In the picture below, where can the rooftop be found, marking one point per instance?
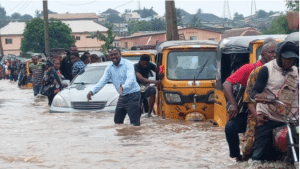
(77, 26)
(73, 16)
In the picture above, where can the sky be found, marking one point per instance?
(207, 6)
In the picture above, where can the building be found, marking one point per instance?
(152, 38)
(74, 16)
(131, 16)
(248, 31)
(13, 33)
(11, 36)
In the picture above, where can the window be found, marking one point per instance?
(77, 37)
(126, 44)
(211, 39)
(193, 37)
(8, 41)
(191, 65)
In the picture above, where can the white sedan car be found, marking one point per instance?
(73, 98)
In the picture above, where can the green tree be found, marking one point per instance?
(146, 12)
(158, 24)
(262, 14)
(15, 16)
(136, 26)
(195, 22)
(3, 17)
(34, 41)
(114, 18)
(26, 17)
(271, 13)
(292, 5)
(199, 11)
(179, 17)
(39, 14)
(109, 39)
(278, 26)
(238, 17)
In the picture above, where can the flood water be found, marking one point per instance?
(31, 137)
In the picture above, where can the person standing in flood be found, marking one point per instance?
(66, 64)
(78, 65)
(37, 70)
(121, 73)
(238, 121)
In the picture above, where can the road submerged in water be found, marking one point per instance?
(31, 137)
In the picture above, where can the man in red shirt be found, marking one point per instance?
(237, 122)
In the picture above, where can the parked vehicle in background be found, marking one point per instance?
(135, 55)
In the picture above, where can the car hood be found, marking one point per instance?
(78, 92)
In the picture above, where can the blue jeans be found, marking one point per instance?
(37, 89)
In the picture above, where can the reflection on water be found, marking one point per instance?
(31, 137)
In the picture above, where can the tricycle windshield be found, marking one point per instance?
(191, 65)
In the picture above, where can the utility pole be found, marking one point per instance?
(45, 8)
(172, 31)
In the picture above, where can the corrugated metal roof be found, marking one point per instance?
(73, 16)
(13, 28)
(17, 28)
(85, 26)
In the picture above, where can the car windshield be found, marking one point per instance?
(132, 57)
(91, 75)
(190, 65)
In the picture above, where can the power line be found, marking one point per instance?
(12, 9)
(76, 4)
(25, 6)
(123, 4)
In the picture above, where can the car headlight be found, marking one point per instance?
(58, 101)
(211, 97)
(114, 102)
(172, 98)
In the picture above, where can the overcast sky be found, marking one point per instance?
(208, 6)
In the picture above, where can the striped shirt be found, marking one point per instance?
(37, 73)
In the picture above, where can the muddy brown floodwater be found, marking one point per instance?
(31, 137)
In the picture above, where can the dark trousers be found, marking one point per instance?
(50, 99)
(232, 129)
(128, 104)
(263, 141)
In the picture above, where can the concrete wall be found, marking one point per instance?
(13, 48)
(200, 34)
(188, 33)
(87, 43)
(83, 44)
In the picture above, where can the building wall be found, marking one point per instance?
(14, 47)
(200, 34)
(83, 44)
(142, 40)
(188, 33)
(87, 43)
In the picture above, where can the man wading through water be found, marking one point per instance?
(238, 121)
(121, 73)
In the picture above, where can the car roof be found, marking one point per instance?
(185, 43)
(140, 52)
(104, 64)
(242, 43)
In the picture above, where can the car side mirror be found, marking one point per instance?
(159, 76)
(66, 82)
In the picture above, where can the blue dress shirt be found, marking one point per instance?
(122, 74)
